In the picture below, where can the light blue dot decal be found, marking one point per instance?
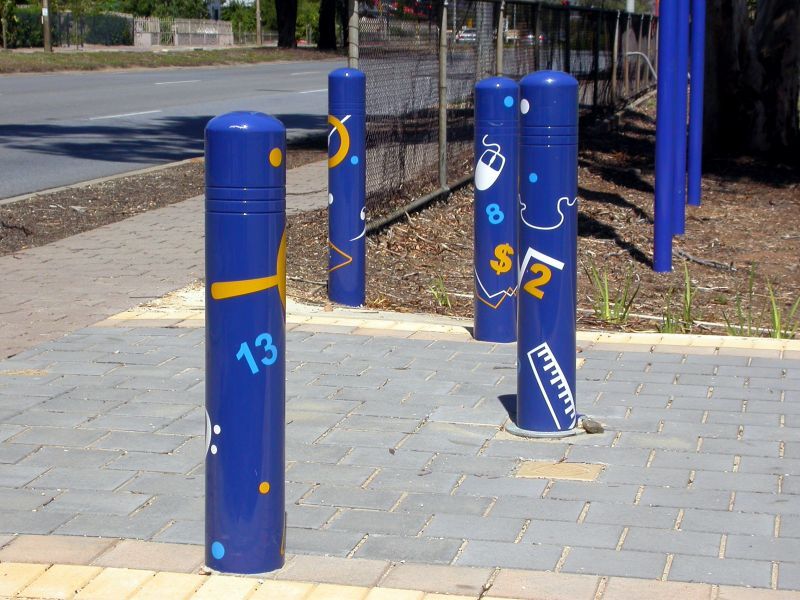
(508, 101)
(533, 178)
(217, 550)
(354, 160)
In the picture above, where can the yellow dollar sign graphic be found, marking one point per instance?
(503, 263)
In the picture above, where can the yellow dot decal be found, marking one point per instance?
(275, 157)
(264, 487)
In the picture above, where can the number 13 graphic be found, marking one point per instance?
(270, 352)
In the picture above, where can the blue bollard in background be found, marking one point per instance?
(347, 187)
(245, 342)
(547, 255)
(682, 60)
(698, 42)
(665, 137)
(495, 232)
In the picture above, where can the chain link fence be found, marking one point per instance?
(610, 53)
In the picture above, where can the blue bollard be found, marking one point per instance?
(245, 342)
(547, 255)
(347, 187)
(665, 148)
(682, 60)
(495, 232)
(696, 100)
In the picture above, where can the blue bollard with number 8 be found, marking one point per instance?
(245, 342)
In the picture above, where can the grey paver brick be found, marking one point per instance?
(523, 449)
(352, 497)
(138, 441)
(537, 508)
(646, 440)
(108, 422)
(740, 447)
(589, 535)
(474, 465)
(693, 460)
(47, 418)
(151, 409)
(747, 482)
(424, 550)
(633, 457)
(763, 548)
(490, 415)
(166, 483)
(97, 502)
(322, 453)
(722, 521)
(364, 439)
(481, 553)
(627, 515)
(65, 478)
(721, 571)
(407, 480)
(48, 456)
(501, 529)
(11, 453)
(594, 561)
(30, 522)
(790, 527)
(371, 521)
(13, 476)
(593, 491)
(140, 526)
(183, 532)
(773, 466)
(489, 487)
(376, 423)
(313, 517)
(450, 438)
(22, 499)
(400, 458)
(56, 436)
(766, 502)
(345, 475)
(710, 499)
(156, 462)
(180, 508)
(676, 542)
(789, 576)
(646, 476)
(316, 541)
(444, 504)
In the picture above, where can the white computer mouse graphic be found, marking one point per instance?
(489, 165)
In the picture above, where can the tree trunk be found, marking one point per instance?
(752, 70)
(342, 7)
(327, 25)
(286, 15)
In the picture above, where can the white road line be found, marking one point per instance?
(314, 91)
(133, 114)
(174, 82)
(304, 73)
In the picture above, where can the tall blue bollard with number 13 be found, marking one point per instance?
(245, 342)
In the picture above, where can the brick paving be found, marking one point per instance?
(398, 463)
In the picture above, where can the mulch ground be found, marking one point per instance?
(748, 223)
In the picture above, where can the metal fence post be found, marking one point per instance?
(500, 35)
(567, 42)
(245, 519)
(614, 62)
(352, 36)
(537, 50)
(596, 61)
(443, 98)
(696, 101)
(638, 58)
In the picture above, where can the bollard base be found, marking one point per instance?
(513, 429)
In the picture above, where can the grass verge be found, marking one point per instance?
(39, 62)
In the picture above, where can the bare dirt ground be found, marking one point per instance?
(748, 220)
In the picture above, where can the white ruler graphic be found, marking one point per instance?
(552, 380)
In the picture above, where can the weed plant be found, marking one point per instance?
(439, 292)
(607, 307)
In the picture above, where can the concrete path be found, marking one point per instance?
(54, 289)
(400, 474)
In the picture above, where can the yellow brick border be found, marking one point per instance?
(184, 308)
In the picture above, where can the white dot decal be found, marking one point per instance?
(213, 449)
(217, 429)
(524, 106)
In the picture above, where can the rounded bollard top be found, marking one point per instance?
(347, 91)
(497, 100)
(549, 99)
(245, 150)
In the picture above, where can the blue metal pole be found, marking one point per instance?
(347, 225)
(245, 342)
(495, 231)
(679, 207)
(665, 149)
(547, 255)
(696, 100)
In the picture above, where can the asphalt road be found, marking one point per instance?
(58, 129)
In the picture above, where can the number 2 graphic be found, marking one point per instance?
(544, 274)
(270, 352)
